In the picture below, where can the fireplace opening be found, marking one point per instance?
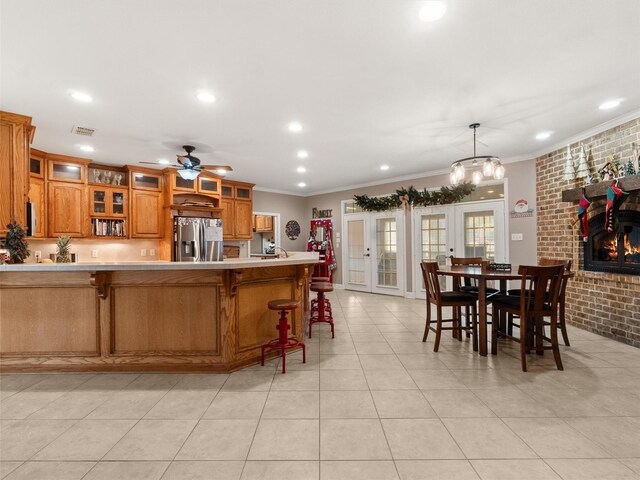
(617, 252)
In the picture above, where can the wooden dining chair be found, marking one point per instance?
(440, 299)
(561, 301)
(538, 299)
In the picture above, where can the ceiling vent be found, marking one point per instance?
(86, 132)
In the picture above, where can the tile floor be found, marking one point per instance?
(375, 403)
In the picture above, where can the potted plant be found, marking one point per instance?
(16, 244)
(63, 244)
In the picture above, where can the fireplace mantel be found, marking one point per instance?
(628, 184)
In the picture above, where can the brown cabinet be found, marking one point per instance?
(38, 199)
(67, 211)
(146, 214)
(208, 185)
(237, 210)
(263, 223)
(66, 169)
(15, 137)
(107, 201)
(145, 180)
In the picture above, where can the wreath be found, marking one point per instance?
(416, 198)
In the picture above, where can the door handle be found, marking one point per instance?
(366, 255)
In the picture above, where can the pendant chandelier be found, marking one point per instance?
(491, 166)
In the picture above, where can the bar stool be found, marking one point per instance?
(284, 342)
(320, 306)
(314, 301)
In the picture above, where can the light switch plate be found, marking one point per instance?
(516, 237)
(152, 252)
(143, 252)
(94, 253)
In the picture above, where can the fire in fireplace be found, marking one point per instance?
(617, 252)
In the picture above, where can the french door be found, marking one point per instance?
(374, 255)
(465, 230)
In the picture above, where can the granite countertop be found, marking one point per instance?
(295, 258)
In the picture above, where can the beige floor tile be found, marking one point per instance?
(182, 405)
(421, 361)
(152, 440)
(363, 327)
(589, 469)
(281, 470)
(512, 402)
(390, 380)
(436, 469)
(86, 440)
(75, 404)
(292, 404)
(402, 404)
(219, 440)
(61, 382)
(487, 438)
(358, 470)
(24, 403)
(505, 470)
(203, 470)
(436, 379)
(205, 381)
(343, 380)
(127, 404)
(7, 467)
(51, 471)
(16, 382)
(339, 362)
(285, 440)
(405, 337)
(296, 380)
(632, 463)
(620, 436)
(154, 381)
(420, 439)
(107, 382)
(22, 439)
(351, 439)
(554, 438)
(373, 348)
(337, 348)
(249, 381)
(347, 404)
(618, 401)
(380, 362)
(567, 402)
(457, 403)
(407, 348)
(392, 328)
(127, 470)
(236, 405)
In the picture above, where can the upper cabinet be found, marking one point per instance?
(38, 192)
(66, 195)
(61, 168)
(237, 214)
(146, 205)
(16, 134)
(145, 179)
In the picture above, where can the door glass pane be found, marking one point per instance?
(118, 203)
(387, 252)
(434, 236)
(355, 252)
(479, 235)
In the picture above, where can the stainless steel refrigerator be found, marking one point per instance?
(197, 239)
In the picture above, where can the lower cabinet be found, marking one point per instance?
(146, 214)
(67, 209)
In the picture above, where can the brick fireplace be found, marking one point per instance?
(602, 302)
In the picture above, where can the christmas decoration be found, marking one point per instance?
(583, 167)
(635, 157)
(415, 198)
(569, 169)
(64, 243)
(583, 205)
(16, 244)
(630, 170)
(610, 170)
(615, 197)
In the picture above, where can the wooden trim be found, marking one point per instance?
(628, 184)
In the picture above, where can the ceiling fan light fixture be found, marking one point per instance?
(188, 174)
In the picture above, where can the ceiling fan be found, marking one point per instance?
(189, 167)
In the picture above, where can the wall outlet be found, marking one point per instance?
(143, 252)
(516, 237)
(94, 253)
(152, 252)
(38, 255)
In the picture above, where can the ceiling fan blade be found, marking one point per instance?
(151, 163)
(217, 167)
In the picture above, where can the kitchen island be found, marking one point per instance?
(146, 316)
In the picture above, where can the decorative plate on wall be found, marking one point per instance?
(292, 229)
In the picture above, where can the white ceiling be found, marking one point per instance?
(369, 81)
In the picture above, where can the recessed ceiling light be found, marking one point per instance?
(609, 104)
(303, 154)
(206, 97)
(87, 148)
(164, 161)
(222, 171)
(302, 184)
(543, 135)
(301, 169)
(295, 127)
(82, 97)
(384, 167)
(433, 10)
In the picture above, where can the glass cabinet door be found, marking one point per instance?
(227, 191)
(98, 202)
(208, 185)
(118, 203)
(67, 172)
(180, 183)
(146, 181)
(243, 192)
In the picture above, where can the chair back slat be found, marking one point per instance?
(540, 288)
(567, 268)
(469, 262)
(431, 283)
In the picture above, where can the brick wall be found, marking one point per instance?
(604, 303)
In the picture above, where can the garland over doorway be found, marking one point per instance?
(415, 198)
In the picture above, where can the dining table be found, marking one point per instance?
(483, 275)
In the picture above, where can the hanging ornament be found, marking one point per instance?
(569, 169)
(615, 197)
(583, 167)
